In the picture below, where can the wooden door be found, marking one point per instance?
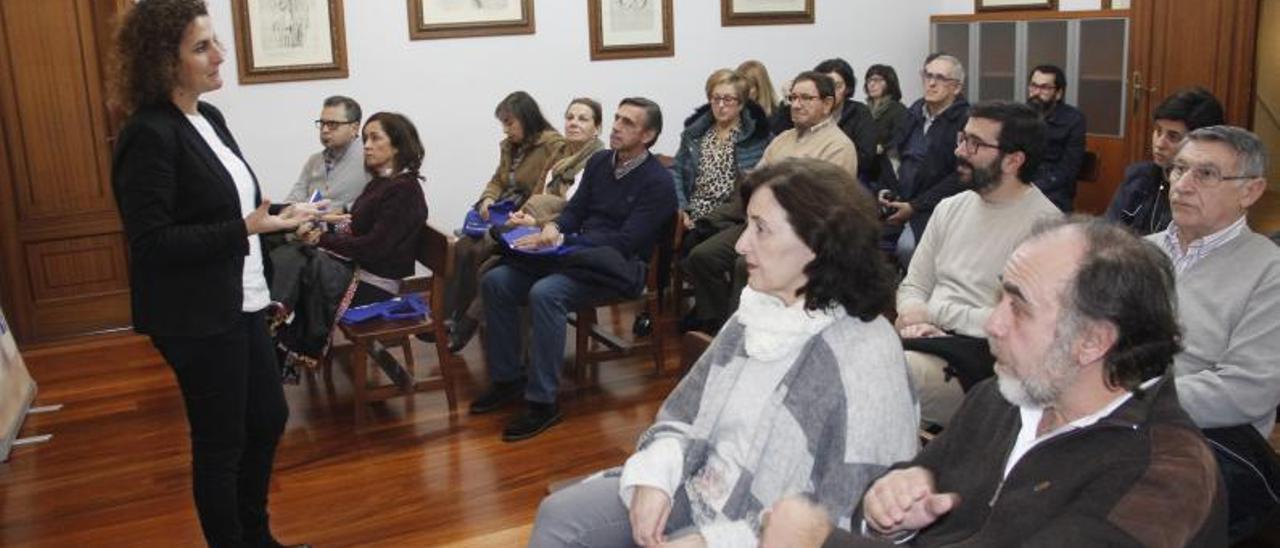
(1182, 43)
(64, 270)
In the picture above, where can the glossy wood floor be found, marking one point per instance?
(116, 472)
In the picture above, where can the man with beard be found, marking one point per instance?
(946, 295)
(1065, 128)
(337, 172)
(1080, 442)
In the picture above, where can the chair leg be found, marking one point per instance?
(359, 379)
(446, 360)
(581, 359)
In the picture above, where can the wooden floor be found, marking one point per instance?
(116, 472)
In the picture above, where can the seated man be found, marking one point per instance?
(1142, 200)
(1228, 280)
(337, 172)
(1064, 137)
(624, 200)
(711, 264)
(927, 172)
(946, 295)
(850, 115)
(1080, 442)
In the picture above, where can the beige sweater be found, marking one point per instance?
(955, 270)
(824, 141)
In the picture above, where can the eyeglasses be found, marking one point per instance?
(798, 98)
(1042, 87)
(972, 143)
(931, 78)
(333, 124)
(725, 100)
(1204, 176)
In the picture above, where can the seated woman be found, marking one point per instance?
(721, 140)
(884, 97)
(760, 89)
(804, 390)
(525, 152)
(581, 139)
(377, 240)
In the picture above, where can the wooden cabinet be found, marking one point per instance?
(64, 268)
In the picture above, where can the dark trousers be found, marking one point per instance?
(717, 277)
(460, 289)
(236, 411)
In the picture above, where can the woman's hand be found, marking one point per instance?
(521, 218)
(650, 508)
(686, 220)
(336, 218)
(483, 208)
(309, 237)
(694, 540)
(260, 221)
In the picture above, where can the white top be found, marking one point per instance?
(256, 294)
(1027, 438)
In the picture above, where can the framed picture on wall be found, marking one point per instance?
(430, 19)
(999, 5)
(765, 12)
(626, 29)
(283, 40)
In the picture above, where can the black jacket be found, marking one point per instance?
(1063, 155)
(936, 178)
(181, 212)
(1141, 476)
(1142, 201)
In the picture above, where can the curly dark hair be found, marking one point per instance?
(837, 219)
(146, 57)
(403, 136)
(1129, 283)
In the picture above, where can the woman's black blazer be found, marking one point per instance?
(181, 212)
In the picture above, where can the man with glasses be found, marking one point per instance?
(1142, 200)
(1065, 126)
(946, 295)
(927, 172)
(852, 117)
(337, 172)
(1228, 280)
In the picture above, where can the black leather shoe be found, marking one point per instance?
(498, 395)
(538, 417)
(463, 330)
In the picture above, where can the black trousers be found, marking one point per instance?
(236, 411)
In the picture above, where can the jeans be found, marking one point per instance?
(550, 299)
(236, 411)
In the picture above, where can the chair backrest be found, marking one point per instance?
(433, 250)
(663, 251)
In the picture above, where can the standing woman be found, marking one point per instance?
(884, 97)
(192, 213)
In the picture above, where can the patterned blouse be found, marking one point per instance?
(716, 174)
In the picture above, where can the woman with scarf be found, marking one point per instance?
(804, 390)
(564, 170)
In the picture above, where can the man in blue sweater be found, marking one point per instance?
(625, 200)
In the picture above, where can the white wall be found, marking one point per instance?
(450, 87)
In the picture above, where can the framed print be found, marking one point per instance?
(429, 19)
(626, 29)
(281, 40)
(998, 5)
(765, 12)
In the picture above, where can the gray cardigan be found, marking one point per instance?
(341, 186)
(1229, 308)
(841, 415)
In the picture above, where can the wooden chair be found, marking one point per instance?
(1089, 167)
(433, 252)
(587, 359)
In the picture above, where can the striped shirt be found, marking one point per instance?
(1198, 249)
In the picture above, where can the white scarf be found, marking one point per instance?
(773, 330)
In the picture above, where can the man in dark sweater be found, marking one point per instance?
(1064, 138)
(625, 200)
(1080, 441)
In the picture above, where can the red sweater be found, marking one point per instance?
(385, 221)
